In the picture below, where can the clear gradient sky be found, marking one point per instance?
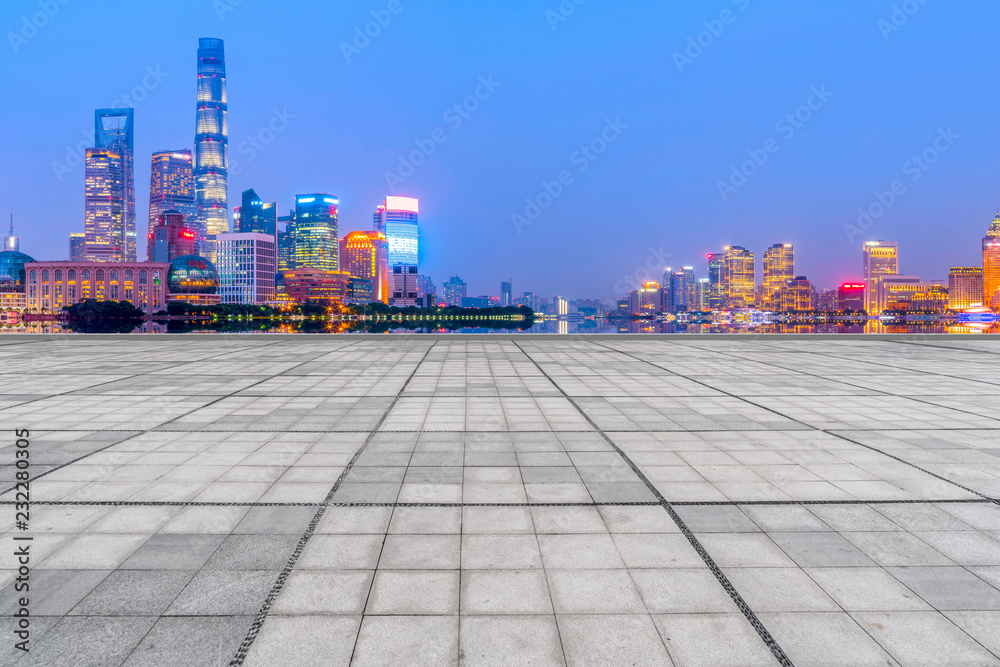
(654, 187)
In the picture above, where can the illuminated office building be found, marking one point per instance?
(991, 265)
(254, 216)
(13, 279)
(405, 285)
(455, 290)
(426, 291)
(796, 295)
(881, 259)
(965, 287)
(316, 239)
(646, 300)
(560, 306)
(103, 206)
(247, 263)
(53, 285)
(77, 247)
(506, 293)
(397, 219)
(716, 269)
(897, 293)
(286, 242)
(171, 238)
(113, 131)
(211, 145)
(851, 296)
(365, 255)
(171, 188)
(704, 290)
(779, 268)
(739, 277)
(310, 284)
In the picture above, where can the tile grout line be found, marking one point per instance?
(244, 648)
(720, 576)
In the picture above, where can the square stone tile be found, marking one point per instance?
(510, 640)
(414, 592)
(607, 640)
(289, 641)
(411, 640)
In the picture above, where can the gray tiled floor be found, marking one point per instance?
(505, 500)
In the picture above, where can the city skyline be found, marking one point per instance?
(473, 182)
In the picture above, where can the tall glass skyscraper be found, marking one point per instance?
(113, 131)
(316, 239)
(881, 259)
(171, 187)
(779, 268)
(716, 267)
(211, 144)
(991, 265)
(739, 277)
(397, 219)
(103, 206)
(254, 218)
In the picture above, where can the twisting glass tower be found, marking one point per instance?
(211, 144)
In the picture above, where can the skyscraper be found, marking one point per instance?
(397, 219)
(881, 258)
(716, 268)
(171, 187)
(286, 242)
(247, 265)
(211, 144)
(11, 241)
(113, 131)
(103, 206)
(316, 239)
(965, 287)
(171, 238)
(254, 218)
(991, 265)
(506, 293)
(77, 246)
(739, 280)
(455, 290)
(365, 255)
(779, 268)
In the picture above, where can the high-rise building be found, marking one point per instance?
(11, 241)
(171, 238)
(896, 292)
(113, 131)
(247, 265)
(365, 255)
(796, 295)
(704, 290)
(716, 289)
(965, 287)
(286, 242)
(560, 306)
(647, 300)
(316, 239)
(405, 285)
(881, 258)
(779, 268)
(211, 145)
(103, 206)
(506, 293)
(455, 290)
(253, 217)
(426, 291)
(77, 247)
(397, 218)
(851, 296)
(991, 265)
(738, 277)
(171, 187)
(681, 290)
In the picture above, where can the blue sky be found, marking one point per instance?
(889, 91)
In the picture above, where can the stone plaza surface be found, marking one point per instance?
(324, 500)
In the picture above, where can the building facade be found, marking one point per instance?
(254, 216)
(211, 145)
(310, 284)
(171, 238)
(716, 289)
(991, 265)
(880, 259)
(739, 277)
(506, 293)
(171, 187)
(965, 287)
(77, 247)
(455, 290)
(851, 296)
(647, 300)
(53, 285)
(113, 131)
(316, 240)
(247, 263)
(103, 206)
(779, 268)
(366, 255)
(405, 285)
(397, 219)
(795, 296)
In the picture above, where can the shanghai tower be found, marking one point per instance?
(211, 146)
